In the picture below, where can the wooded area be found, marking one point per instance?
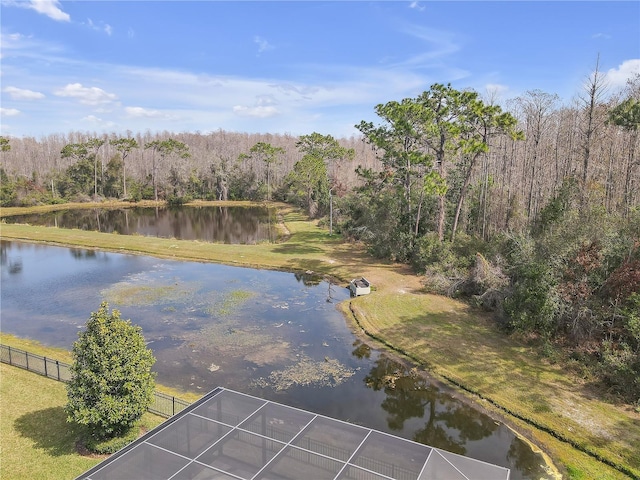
(531, 209)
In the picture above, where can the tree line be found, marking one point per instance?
(530, 209)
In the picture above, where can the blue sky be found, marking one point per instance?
(289, 67)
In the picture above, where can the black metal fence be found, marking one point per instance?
(162, 404)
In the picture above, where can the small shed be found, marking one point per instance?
(359, 286)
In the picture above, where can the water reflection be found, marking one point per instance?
(12, 265)
(232, 225)
(439, 419)
(80, 253)
(449, 423)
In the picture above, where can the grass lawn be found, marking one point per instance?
(453, 342)
(36, 440)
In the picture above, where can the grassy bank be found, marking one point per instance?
(584, 434)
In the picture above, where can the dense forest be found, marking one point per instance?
(531, 210)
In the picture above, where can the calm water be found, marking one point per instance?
(271, 334)
(245, 225)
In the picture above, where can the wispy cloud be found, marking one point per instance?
(13, 37)
(604, 36)
(99, 122)
(259, 111)
(23, 94)
(416, 6)
(263, 44)
(50, 8)
(9, 112)
(100, 27)
(86, 95)
(140, 112)
(438, 45)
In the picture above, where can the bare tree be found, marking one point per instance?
(591, 98)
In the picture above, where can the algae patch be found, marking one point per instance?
(130, 294)
(229, 303)
(328, 373)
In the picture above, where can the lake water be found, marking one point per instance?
(243, 225)
(270, 334)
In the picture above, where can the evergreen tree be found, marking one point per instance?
(112, 384)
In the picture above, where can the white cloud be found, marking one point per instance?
(416, 5)
(50, 8)
(86, 95)
(98, 121)
(9, 112)
(139, 112)
(23, 94)
(259, 111)
(263, 44)
(605, 36)
(617, 77)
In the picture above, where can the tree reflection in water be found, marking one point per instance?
(449, 423)
(231, 225)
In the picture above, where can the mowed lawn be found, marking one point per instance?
(36, 440)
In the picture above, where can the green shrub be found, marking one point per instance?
(111, 445)
(175, 201)
(621, 370)
(112, 384)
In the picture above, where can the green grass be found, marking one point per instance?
(37, 442)
(577, 426)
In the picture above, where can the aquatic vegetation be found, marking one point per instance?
(132, 294)
(229, 303)
(328, 373)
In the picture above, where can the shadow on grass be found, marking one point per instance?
(296, 248)
(49, 430)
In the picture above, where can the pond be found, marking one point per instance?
(270, 334)
(219, 224)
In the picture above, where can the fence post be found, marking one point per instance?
(10, 362)
(46, 373)
(26, 357)
(58, 368)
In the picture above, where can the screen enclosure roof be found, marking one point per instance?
(229, 435)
